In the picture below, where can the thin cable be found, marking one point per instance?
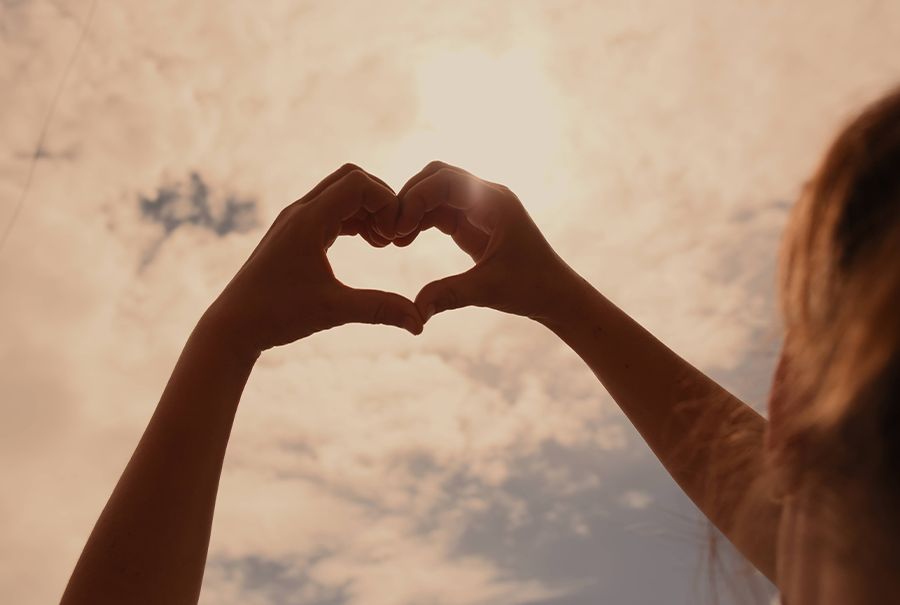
(46, 127)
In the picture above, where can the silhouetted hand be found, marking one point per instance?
(287, 290)
(516, 270)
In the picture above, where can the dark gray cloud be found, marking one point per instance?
(178, 205)
(549, 522)
(590, 540)
(279, 582)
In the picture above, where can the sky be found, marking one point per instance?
(659, 144)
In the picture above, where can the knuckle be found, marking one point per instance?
(506, 193)
(452, 298)
(288, 214)
(356, 178)
(507, 199)
(349, 167)
(435, 165)
(379, 314)
(445, 193)
(283, 215)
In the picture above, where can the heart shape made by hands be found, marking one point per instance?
(515, 269)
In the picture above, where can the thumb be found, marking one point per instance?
(378, 307)
(452, 292)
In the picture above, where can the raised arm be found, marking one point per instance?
(150, 543)
(710, 442)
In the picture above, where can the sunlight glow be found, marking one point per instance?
(497, 116)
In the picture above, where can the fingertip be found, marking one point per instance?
(425, 305)
(375, 236)
(412, 325)
(405, 240)
(384, 222)
(452, 292)
(382, 183)
(404, 229)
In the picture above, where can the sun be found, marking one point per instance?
(497, 116)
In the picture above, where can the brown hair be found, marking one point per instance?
(839, 422)
(835, 405)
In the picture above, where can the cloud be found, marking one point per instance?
(177, 205)
(481, 462)
(636, 499)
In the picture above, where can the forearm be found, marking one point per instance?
(150, 543)
(708, 440)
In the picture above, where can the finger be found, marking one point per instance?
(327, 182)
(356, 191)
(415, 201)
(384, 221)
(402, 242)
(379, 181)
(428, 220)
(430, 169)
(353, 226)
(413, 208)
(452, 222)
(374, 237)
(288, 210)
(452, 292)
(377, 307)
(334, 177)
(367, 226)
(380, 242)
(478, 200)
(386, 218)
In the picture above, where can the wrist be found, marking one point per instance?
(570, 294)
(219, 331)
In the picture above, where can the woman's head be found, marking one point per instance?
(837, 420)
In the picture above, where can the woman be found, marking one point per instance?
(811, 500)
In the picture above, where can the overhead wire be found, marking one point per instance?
(45, 127)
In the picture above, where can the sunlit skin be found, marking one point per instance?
(517, 271)
(151, 540)
(680, 412)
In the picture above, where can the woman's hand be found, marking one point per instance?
(287, 290)
(516, 270)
